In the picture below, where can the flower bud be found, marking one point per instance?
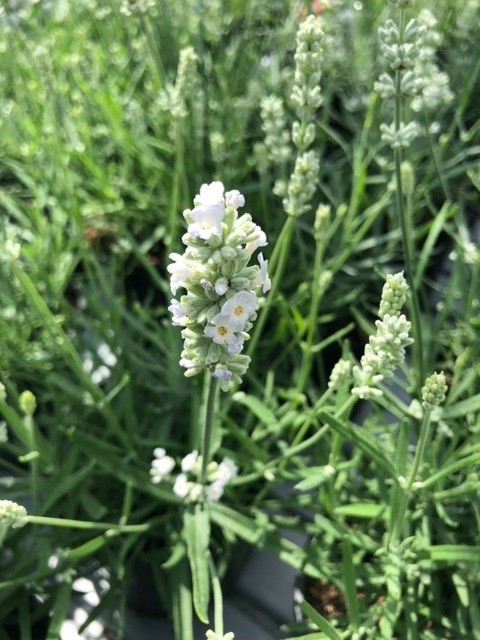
(434, 391)
(12, 514)
(27, 403)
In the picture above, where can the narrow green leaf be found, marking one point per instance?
(196, 532)
(257, 407)
(361, 440)
(349, 582)
(59, 611)
(452, 553)
(470, 405)
(315, 480)
(322, 623)
(246, 442)
(366, 510)
(176, 556)
(447, 211)
(87, 548)
(461, 587)
(182, 602)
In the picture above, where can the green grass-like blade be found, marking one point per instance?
(196, 532)
(322, 623)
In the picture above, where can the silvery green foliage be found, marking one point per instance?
(386, 349)
(433, 85)
(394, 294)
(220, 305)
(305, 94)
(434, 391)
(12, 514)
(274, 126)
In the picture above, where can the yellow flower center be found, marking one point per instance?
(222, 331)
(238, 311)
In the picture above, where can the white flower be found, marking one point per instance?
(106, 355)
(189, 461)
(161, 465)
(179, 270)
(186, 363)
(261, 241)
(222, 331)
(236, 346)
(227, 470)
(195, 493)
(239, 308)
(210, 194)
(100, 374)
(221, 374)
(179, 313)
(263, 279)
(234, 199)
(215, 491)
(207, 221)
(221, 286)
(211, 635)
(181, 488)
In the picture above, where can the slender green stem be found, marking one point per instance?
(84, 524)
(30, 426)
(419, 455)
(282, 261)
(317, 294)
(404, 227)
(207, 426)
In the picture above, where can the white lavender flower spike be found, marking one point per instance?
(222, 289)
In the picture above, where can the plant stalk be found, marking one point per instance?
(207, 427)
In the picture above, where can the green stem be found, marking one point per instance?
(404, 227)
(282, 261)
(207, 426)
(84, 524)
(317, 294)
(419, 455)
(30, 426)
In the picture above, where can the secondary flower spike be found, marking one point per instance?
(222, 288)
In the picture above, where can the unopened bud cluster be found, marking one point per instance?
(340, 374)
(400, 47)
(175, 96)
(220, 305)
(308, 60)
(187, 484)
(274, 126)
(432, 84)
(302, 184)
(434, 391)
(12, 514)
(394, 294)
(386, 349)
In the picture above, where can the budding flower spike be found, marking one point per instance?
(12, 514)
(222, 289)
